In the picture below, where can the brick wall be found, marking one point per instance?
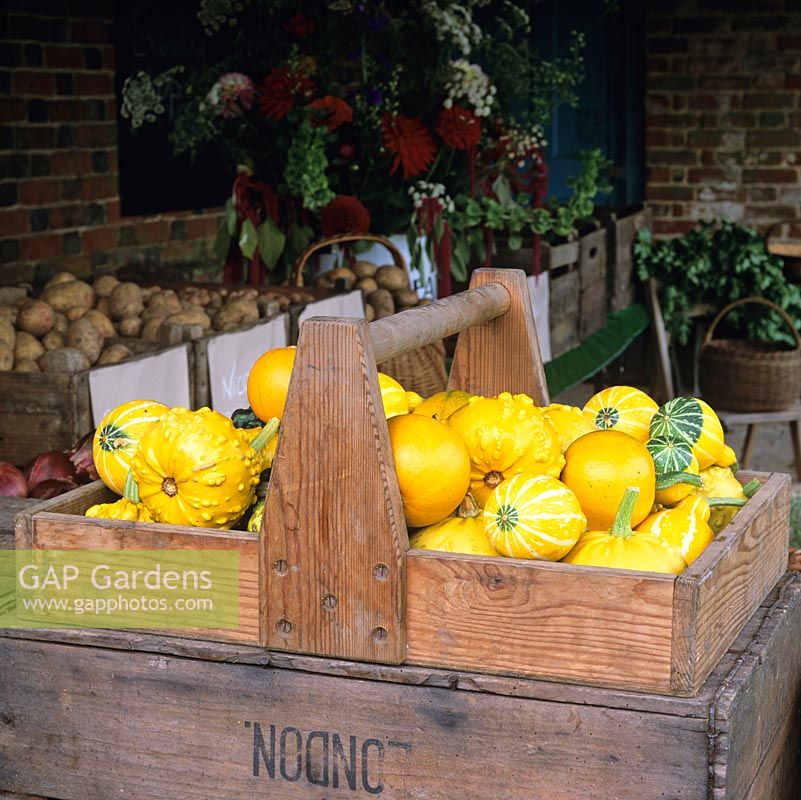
(59, 196)
(723, 111)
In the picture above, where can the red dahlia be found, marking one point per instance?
(409, 142)
(279, 91)
(333, 111)
(344, 214)
(459, 128)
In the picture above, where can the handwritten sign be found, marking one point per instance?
(539, 291)
(231, 356)
(163, 376)
(340, 305)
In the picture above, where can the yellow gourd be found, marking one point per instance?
(672, 488)
(685, 527)
(122, 509)
(394, 397)
(256, 517)
(196, 468)
(693, 421)
(533, 516)
(462, 533)
(505, 435)
(725, 494)
(621, 408)
(569, 422)
(414, 400)
(622, 548)
(442, 404)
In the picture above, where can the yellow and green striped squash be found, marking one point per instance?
(693, 421)
(621, 408)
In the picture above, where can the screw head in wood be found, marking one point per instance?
(280, 567)
(284, 627)
(381, 572)
(329, 602)
(380, 635)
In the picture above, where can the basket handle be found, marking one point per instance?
(780, 311)
(296, 278)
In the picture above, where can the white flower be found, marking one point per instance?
(468, 82)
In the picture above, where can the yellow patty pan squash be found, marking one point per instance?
(505, 435)
(725, 495)
(196, 468)
(622, 548)
(569, 422)
(462, 533)
(685, 527)
(122, 509)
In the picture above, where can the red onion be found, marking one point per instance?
(12, 481)
(52, 464)
(52, 488)
(80, 454)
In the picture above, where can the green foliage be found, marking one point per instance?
(717, 264)
(306, 165)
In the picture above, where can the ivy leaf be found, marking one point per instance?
(222, 242)
(271, 243)
(248, 239)
(514, 242)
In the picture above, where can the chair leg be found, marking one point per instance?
(749, 441)
(795, 431)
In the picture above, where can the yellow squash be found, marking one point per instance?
(621, 408)
(724, 493)
(533, 516)
(693, 421)
(685, 527)
(122, 509)
(505, 435)
(394, 397)
(569, 422)
(622, 548)
(442, 404)
(196, 468)
(462, 533)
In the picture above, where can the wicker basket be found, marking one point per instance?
(745, 375)
(421, 370)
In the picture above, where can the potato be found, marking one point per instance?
(11, 295)
(369, 312)
(54, 340)
(323, 281)
(103, 306)
(125, 300)
(405, 297)
(157, 313)
(64, 359)
(102, 323)
(26, 365)
(104, 284)
(195, 316)
(296, 298)
(61, 323)
(83, 336)
(381, 301)
(27, 347)
(249, 292)
(9, 313)
(342, 277)
(392, 278)
(195, 295)
(163, 300)
(7, 333)
(61, 277)
(130, 326)
(63, 296)
(236, 312)
(364, 269)
(278, 297)
(35, 317)
(150, 330)
(148, 292)
(6, 357)
(367, 285)
(114, 354)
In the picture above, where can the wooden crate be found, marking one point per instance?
(388, 604)
(592, 280)
(622, 226)
(562, 263)
(90, 715)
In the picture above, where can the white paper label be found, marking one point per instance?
(539, 291)
(231, 356)
(340, 305)
(163, 376)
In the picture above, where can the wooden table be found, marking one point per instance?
(90, 715)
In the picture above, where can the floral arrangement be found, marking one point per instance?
(427, 116)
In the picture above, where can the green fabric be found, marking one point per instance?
(595, 352)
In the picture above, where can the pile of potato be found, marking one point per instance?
(385, 289)
(75, 325)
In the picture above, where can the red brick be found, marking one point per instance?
(66, 217)
(11, 108)
(706, 175)
(34, 83)
(71, 162)
(738, 119)
(98, 239)
(13, 221)
(770, 176)
(96, 135)
(111, 108)
(202, 226)
(654, 65)
(708, 157)
(793, 81)
(41, 246)
(705, 139)
(672, 227)
(668, 192)
(771, 212)
(97, 187)
(34, 193)
(109, 60)
(762, 194)
(85, 31)
(153, 232)
(784, 138)
(682, 121)
(686, 157)
(94, 84)
(656, 102)
(64, 57)
(659, 174)
(789, 42)
(769, 80)
(113, 210)
(725, 82)
(678, 210)
(778, 100)
(703, 102)
(657, 138)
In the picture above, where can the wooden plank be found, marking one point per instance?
(334, 532)
(9, 508)
(548, 620)
(563, 309)
(757, 719)
(173, 727)
(559, 255)
(502, 355)
(721, 589)
(592, 258)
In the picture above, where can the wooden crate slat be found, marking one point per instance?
(553, 621)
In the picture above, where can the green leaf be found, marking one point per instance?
(271, 243)
(230, 216)
(248, 239)
(514, 242)
(502, 190)
(439, 229)
(222, 242)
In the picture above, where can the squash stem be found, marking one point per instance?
(131, 488)
(621, 525)
(668, 479)
(468, 508)
(266, 434)
(725, 501)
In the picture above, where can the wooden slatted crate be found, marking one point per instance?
(592, 279)
(562, 263)
(332, 573)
